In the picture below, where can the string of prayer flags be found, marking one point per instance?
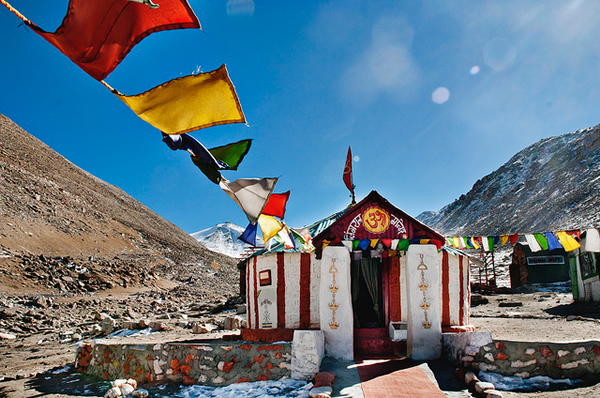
(98, 35)
(250, 194)
(188, 103)
(276, 205)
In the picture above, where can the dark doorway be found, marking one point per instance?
(367, 293)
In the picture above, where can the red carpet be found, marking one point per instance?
(397, 378)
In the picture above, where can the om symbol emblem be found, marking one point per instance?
(376, 220)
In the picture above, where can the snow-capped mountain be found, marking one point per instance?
(551, 185)
(223, 238)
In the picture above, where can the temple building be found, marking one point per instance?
(372, 278)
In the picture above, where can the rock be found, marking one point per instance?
(492, 394)
(113, 393)
(7, 336)
(481, 386)
(159, 326)
(108, 325)
(241, 309)
(232, 322)
(203, 328)
(40, 302)
(76, 337)
(321, 392)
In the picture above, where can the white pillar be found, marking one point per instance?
(335, 307)
(424, 290)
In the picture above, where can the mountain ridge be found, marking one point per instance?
(553, 184)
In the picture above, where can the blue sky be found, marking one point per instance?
(430, 95)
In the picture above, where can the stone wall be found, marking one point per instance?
(522, 359)
(214, 364)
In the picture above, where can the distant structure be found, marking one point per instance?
(545, 266)
(584, 266)
(378, 281)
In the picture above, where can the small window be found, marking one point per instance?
(588, 264)
(264, 277)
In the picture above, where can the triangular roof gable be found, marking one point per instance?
(376, 218)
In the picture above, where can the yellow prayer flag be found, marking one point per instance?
(504, 239)
(374, 243)
(325, 243)
(188, 103)
(455, 242)
(269, 226)
(568, 242)
(474, 242)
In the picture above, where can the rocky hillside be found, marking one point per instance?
(62, 229)
(553, 184)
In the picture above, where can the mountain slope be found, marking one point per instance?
(553, 184)
(50, 206)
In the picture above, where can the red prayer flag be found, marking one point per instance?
(514, 238)
(348, 172)
(98, 34)
(276, 204)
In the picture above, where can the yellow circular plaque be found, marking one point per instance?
(376, 220)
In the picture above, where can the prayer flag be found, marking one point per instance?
(553, 243)
(592, 240)
(250, 194)
(568, 242)
(541, 240)
(210, 161)
(456, 242)
(514, 238)
(98, 35)
(387, 242)
(403, 244)
(485, 243)
(284, 236)
(533, 243)
(474, 243)
(276, 204)
(347, 244)
(364, 243)
(491, 241)
(269, 226)
(188, 103)
(249, 235)
(504, 239)
(374, 242)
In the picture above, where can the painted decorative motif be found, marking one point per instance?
(266, 318)
(423, 286)
(333, 288)
(376, 220)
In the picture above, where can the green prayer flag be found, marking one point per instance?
(541, 239)
(403, 244)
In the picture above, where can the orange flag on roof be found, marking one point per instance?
(98, 34)
(188, 103)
